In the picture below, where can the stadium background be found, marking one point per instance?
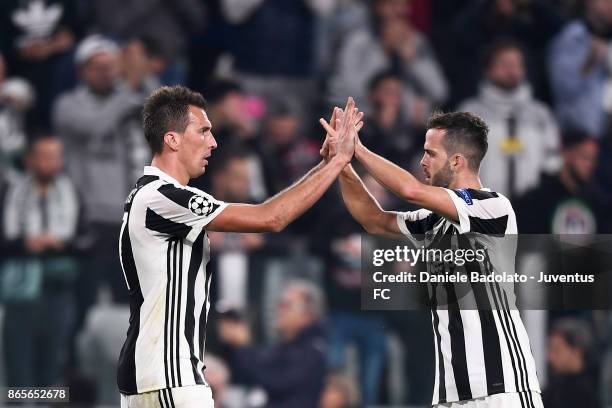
(539, 72)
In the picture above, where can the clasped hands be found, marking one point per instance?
(341, 137)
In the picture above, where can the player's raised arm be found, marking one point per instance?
(404, 184)
(277, 212)
(358, 200)
(364, 207)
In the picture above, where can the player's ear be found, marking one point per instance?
(457, 160)
(172, 140)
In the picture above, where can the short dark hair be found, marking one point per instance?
(235, 151)
(497, 47)
(465, 133)
(166, 109)
(575, 332)
(382, 76)
(38, 137)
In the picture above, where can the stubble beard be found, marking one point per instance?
(443, 177)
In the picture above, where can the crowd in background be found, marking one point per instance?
(287, 329)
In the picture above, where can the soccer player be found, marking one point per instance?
(164, 249)
(483, 357)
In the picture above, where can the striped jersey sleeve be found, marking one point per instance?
(181, 211)
(481, 211)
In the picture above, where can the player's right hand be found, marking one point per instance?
(332, 138)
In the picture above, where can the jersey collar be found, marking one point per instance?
(155, 171)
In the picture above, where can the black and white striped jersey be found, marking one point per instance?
(164, 252)
(481, 346)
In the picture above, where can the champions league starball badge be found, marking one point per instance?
(201, 206)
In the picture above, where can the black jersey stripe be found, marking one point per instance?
(173, 319)
(498, 309)
(420, 227)
(481, 194)
(167, 357)
(515, 350)
(509, 324)
(167, 396)
(489, 226)
(522, 358)
(458, 352)
(180, 196)
(170, 398)
(192, 273)
(143, 181)
(156, 222)
(435, 323)
(506, 337)
(203, 316)
(490, 338)
(126, 372)
(179, 246)
(161, 399)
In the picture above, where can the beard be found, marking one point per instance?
(443, 177)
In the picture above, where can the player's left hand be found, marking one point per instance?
(330, 146)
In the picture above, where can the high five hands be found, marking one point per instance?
(341, 137)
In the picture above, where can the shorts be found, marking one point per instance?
(505, 400)
(193, 396)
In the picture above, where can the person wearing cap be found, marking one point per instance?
(16, 98)
(37, 38)
(102, 148)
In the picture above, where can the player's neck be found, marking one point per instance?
(466, 181)
(171, 168)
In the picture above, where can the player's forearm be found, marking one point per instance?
(391, 176)
(292, 202)
(360, 203)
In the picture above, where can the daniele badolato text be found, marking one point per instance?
(447, 266)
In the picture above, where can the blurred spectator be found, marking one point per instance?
(285, 153)
(340, 248)
(478, 24)
(389, 42)
(168, 24)
(570, 386)
(523, 134)
(580, 67)
(569, 202)
(339, 392)
(39, 35)
(231, 175)
(141, 54)
(100, 126)
(231, 182)
(41, 223)
(233, 113)
(217, 376)
(235, 117)
(16, 97)
(225, 395)
(392, 128)
(291, 371)
(274, 48)
(604, 170)
(98, 344)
